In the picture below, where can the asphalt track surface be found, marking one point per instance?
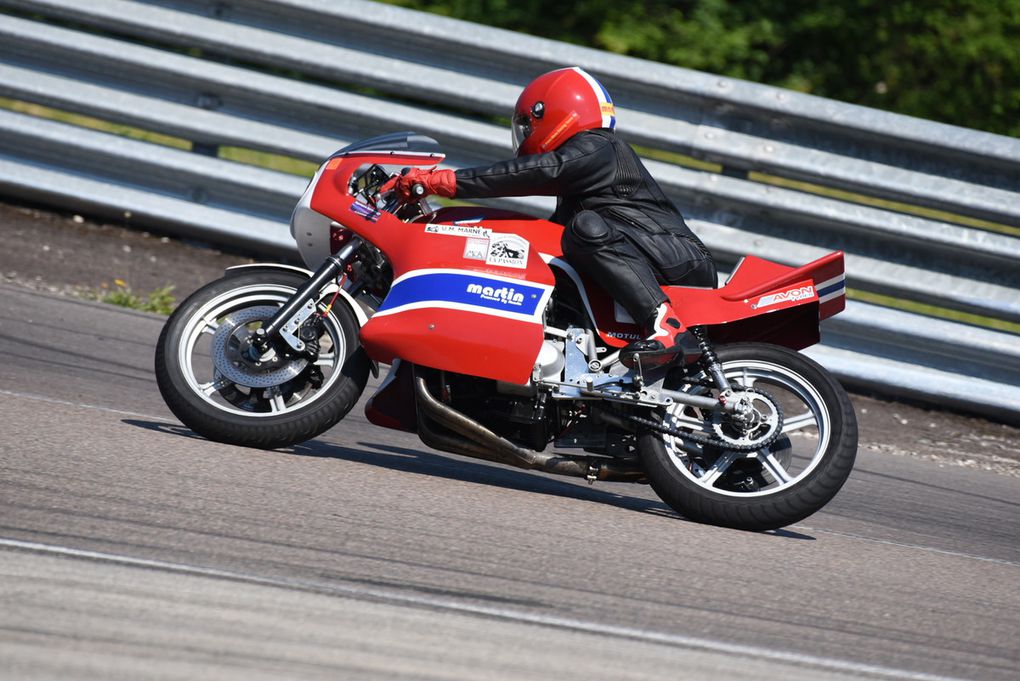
(130, 548)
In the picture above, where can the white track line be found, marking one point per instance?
(506, 614)
(903, 545)
(83, 405)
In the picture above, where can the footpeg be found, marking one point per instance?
(650, 357)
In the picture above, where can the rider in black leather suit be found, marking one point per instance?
(620, 228)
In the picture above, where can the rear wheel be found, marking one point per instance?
(785, 460)
(215, 389)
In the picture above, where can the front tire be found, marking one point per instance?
(209, 387)
(787, 480)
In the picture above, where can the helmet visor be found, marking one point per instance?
(521, 128)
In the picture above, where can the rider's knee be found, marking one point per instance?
(587, 228)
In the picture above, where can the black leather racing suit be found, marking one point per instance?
(620, 228)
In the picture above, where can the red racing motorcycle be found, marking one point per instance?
(498, 349)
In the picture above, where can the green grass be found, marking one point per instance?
(678, 159)
(160, 301)
(93, 123)
(933, 311)
(262, 159)
(897, 206)
(829, 192)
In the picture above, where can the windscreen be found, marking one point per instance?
(396, 141)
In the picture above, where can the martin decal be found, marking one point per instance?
(504, 295)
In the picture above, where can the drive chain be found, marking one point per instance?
(698, 438)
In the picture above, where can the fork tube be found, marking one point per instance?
(332, 268)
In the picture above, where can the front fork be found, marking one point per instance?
(286, 323)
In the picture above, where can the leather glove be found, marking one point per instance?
(438, 182)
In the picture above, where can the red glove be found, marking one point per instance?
(438, 182)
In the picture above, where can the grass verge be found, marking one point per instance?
(160, 301)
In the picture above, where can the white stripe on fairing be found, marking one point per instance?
(472, 273)
(599, 94)
(835, 294)
(444, 305)
(830, 282)
(518, 616)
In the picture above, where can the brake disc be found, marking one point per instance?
(229, 351)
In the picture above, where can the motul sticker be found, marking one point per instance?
(476, 249)
(458, 230)
(507, 250)
(785, 297)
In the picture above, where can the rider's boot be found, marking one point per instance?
(667, 341)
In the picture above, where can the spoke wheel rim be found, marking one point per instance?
(208, 383)
(812, 412)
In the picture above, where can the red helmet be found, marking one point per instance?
(556, 106)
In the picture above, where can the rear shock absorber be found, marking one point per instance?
(710, 360)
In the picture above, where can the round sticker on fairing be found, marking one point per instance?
(507, 250)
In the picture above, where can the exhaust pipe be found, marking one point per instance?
(481, 443)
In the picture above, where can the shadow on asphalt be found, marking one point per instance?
(160, 427)
(424, 462)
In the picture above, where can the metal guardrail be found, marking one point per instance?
(268, 78)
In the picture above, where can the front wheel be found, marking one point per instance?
(218, 391)
(801, 418)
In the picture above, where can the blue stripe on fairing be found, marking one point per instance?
(451, 287)
(831, 289)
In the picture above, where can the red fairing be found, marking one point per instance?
(456, 340)
(768, 302)
(744, 309)
(466, 297)
(759, 287)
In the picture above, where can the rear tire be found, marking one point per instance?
(222, 407)
(777, 485)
